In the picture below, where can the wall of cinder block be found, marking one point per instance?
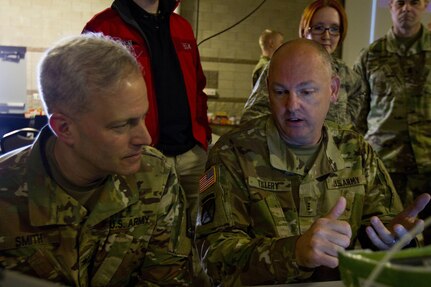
(228, 59)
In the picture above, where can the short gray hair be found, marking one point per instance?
(80, 67)
(266, 36)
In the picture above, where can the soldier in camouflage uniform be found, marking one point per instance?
(90, 203)
(284, 192)
(314, 25)
(396, 119)
(269, 41)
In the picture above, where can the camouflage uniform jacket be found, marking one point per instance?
(396, 119)
(260, 66)
(344, 112)
(134, 236)
(256, 198)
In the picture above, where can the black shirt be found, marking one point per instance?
(176, 136)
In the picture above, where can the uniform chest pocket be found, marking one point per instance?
(272, 209)
(127, 242)
(384, 83)
(353, 189)
(420, 103)
(35, 253)
(269, 219)
(131, 231)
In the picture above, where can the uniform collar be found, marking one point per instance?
(423, 43)
(49, 204)
(329, 159)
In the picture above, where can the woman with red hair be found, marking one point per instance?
(323, 21)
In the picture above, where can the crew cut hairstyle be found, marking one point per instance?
(80, 67)
(267, 36)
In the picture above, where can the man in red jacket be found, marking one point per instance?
(165, 46)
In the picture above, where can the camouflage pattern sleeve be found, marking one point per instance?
(135, 235)
(258, 102)
(382, 199)
(260, 66)
(364, 107)
(374, 195)
(397, 115)
(357, 90)
(349, 98)
(232, 252)
(248, 225)
(168, 261)
(379, 197)
(338, 112)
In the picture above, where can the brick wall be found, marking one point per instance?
(229, 58)
(234, 53)
(37, 24)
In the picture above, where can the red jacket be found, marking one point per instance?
(117, 22)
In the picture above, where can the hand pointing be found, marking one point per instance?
(319, 245)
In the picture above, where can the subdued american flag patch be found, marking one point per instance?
(208, 179)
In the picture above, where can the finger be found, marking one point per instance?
(332, 235)
(400, 230)
(337, 209)
(328, 254)
(332, 227)
(339, 242)
(329, 258)
(331, 262)
(375, 239)
(342, 242)
(381, 231)
(418, 205)
(341, 234)
(317, 253)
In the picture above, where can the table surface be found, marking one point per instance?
(311, 284)
(12, 278)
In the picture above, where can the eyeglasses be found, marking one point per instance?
(319, 29)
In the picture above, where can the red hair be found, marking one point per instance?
(312, 8)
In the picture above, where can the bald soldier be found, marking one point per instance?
(90, 203)
(284, 192)
(269, 41)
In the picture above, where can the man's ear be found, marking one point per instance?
(335, 88)
(271, 43)
(62, 126)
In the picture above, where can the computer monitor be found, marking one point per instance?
(11, 122)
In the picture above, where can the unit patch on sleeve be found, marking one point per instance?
(208, 179)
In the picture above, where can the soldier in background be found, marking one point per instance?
(396, 119)
(269, 41)
(90, 203)
(324, 21)
(284, 193)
